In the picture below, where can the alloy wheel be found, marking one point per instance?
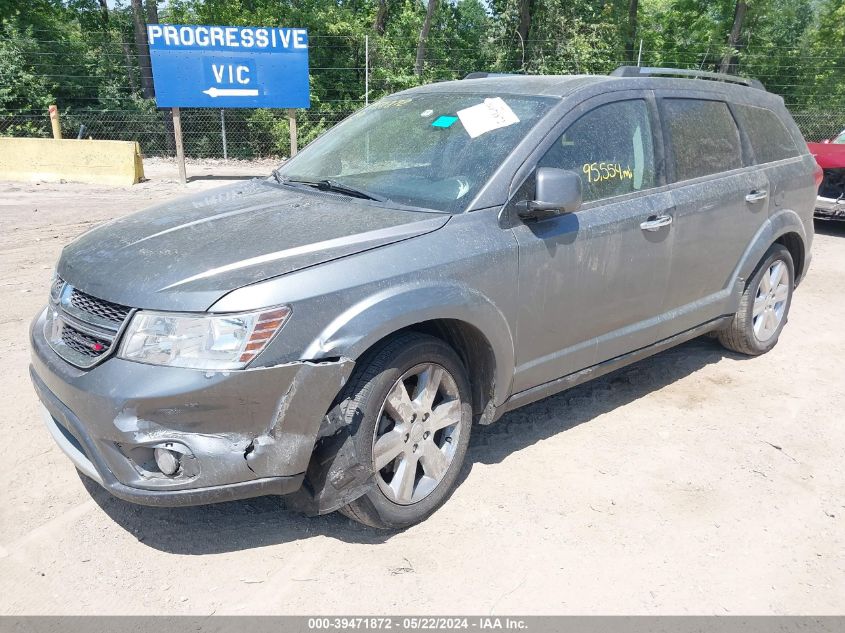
(770, 300)
(417, 433)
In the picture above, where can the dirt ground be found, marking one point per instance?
(694, 482)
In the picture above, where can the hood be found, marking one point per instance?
(187, 253)
(828, 155)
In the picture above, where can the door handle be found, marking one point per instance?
(757, 196)
(656, 223)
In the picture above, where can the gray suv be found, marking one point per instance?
(450, 253)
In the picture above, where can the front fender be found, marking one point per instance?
(366, 322)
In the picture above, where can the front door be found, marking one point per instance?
(592, 283)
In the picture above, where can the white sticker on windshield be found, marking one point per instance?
(490, 115)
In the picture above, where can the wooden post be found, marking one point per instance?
(180, 150)
(292, 124)
(367, 70)
(223, 134)
(54, 122)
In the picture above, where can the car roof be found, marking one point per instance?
(564, 85)
(536, 85)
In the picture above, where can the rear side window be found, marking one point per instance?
(770, 140)
(704, 137)
(610, 147)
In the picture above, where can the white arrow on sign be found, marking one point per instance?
(231, 92)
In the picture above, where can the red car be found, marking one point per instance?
(830, 155)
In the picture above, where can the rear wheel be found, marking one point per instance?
(410, 402)
(764, 306)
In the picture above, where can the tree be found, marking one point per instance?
(825, 83)
(421, 44)
(631, 31)
(729, 58)
(381, 17)
(142, 48)
(127, 54)
(152, 11)
(524, 26)
(104, 12)
(87, 56)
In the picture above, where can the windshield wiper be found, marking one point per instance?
(331, 185)
(339, 187)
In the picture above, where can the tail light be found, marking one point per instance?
(818, 175)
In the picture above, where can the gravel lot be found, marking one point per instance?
(694, 482)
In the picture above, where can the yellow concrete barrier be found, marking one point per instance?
(100, 162)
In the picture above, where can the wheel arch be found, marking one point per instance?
(785, 227)
(477, 355)
(795, 245)
(463, 318)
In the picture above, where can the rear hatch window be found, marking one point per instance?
(769, 138)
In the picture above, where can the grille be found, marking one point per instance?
(88, 346)
(111, 312)
(82, 329)
(56, 288)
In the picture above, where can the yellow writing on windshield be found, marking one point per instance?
(599, 172)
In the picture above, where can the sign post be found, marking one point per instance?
(223, 133)
(180, 150)
(292, 126)
(198, 66)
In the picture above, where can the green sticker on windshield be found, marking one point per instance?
(444, 121)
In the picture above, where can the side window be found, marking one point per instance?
(770, 140)
(610, 147)
(703, 136)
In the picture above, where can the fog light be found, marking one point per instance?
(166, 460)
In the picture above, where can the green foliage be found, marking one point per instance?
(20, 86)
(74, 54)
(825, 82)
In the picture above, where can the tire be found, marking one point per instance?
(752, 334)
(404, 495)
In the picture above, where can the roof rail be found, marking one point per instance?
(653, 71)
(483, 75)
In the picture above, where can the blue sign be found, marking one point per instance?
(229, 66)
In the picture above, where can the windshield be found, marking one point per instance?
(840, 140)
(429, 150)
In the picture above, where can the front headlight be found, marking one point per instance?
(207, 341)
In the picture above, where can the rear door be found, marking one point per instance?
(721, 200)
(791, 184)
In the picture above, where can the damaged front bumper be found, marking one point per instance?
(830, 205)
(830, 208)
(237, 434)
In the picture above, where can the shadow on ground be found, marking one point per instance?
(239, 525)
(835, 228)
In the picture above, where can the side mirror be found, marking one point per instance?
(557, 191)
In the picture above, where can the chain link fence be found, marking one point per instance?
(264, 133)
(817, 125)
(248, 133)
(207, 133)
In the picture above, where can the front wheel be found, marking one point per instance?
(764, 306)
(409, 406)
